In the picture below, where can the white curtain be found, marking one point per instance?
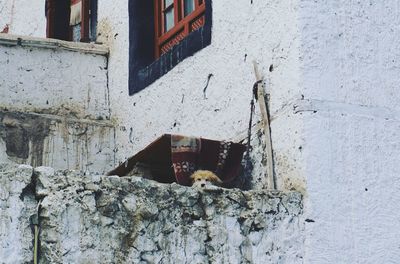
(76, 8)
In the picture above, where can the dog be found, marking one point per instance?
(204, 179)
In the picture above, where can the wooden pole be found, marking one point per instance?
(271, 179)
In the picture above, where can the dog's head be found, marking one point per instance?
(204, 178)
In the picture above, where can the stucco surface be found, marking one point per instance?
(54, 81)
(349, 65)
(350, 52)
(61, 142)
(23, 17)
(333, 99)
(353, 192)
(176, 102)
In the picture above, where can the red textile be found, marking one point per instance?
(189, 154)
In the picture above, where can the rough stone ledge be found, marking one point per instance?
(58, 115)
(47, 43)
(110, 219)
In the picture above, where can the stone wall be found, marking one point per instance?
(98, 219)
(17, 204)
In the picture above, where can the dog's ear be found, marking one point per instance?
(216, 179)
(193, 176)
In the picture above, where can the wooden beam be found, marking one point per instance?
(50, 14)
(271, 178)
(85, 24)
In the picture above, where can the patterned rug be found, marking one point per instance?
(189, 154)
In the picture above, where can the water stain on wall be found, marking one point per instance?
(24, 136)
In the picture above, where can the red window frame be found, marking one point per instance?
(165, 40)
(66, 31)
(85, 21)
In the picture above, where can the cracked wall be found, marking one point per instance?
(176, 103)
(54, 106)
(97, 219)
(61, 142)
(331, 71)
(53, 80)
(17, 204)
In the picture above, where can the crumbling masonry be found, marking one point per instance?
(109, 219)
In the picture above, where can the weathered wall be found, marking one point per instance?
(169, 105)
(176, 102)
(350, 64)
(62, 142)
(23, 17)
(334, 107)
(54, 106)
(17, 204)
(354, 192)
(53, 80)
(96, 219)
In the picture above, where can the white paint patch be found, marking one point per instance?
(54, 81)
(23, 17)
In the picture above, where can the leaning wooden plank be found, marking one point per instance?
(271, 179)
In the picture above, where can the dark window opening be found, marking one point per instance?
(162, 33)
(71, 20)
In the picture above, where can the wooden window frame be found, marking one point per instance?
(85, 24)
(182, 24)
(85, 18)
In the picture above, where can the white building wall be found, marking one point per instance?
(54, 77)
(176, 103)
(334, 109)
(54, 104)
(334, 106)
(350, 75)
(23, 17)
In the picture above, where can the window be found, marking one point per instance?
(163, 33)
(72, 20)
(174, 20)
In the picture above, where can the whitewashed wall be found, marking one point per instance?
(54, 80)
(23, 17)
(86, 218)
(176, 104)
(54, 104)
(350, 75)
(334, 105)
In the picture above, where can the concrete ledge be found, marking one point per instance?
(25, 41)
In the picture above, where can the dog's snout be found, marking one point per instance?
(203, 185)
